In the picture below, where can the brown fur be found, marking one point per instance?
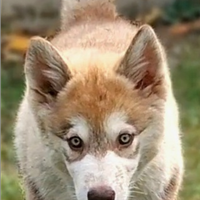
(78, 12)
(171, 190)
(101, 34)
(32, 193)
(97, 65)
(105, 95)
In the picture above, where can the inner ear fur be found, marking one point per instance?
(144, 61)
(45, 69)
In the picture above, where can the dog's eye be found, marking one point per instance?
(125, 139)
(75, 143)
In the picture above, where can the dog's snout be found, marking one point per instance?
(101, 193)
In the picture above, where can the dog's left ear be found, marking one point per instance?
(46, 71)
(144, 61)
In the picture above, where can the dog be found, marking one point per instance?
(98, 120)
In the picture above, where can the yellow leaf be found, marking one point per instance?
(17, 43)
(151, 16)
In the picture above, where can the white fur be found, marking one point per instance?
(80, 128)
(42, 167)
(42, 155)
(111, 170)
(115, 123)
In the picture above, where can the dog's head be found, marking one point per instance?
(106, 121)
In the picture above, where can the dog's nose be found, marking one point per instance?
(101, 193)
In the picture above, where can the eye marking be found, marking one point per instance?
(75, 143)
(125, 139)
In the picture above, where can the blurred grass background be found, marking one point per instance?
(186, 80)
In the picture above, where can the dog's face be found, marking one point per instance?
(105, 133)
(100, 134)
(107, 123)
(104, 161)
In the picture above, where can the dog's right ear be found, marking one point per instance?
(46, 71)
(144, 63)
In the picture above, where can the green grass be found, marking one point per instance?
(12, 87)
(186, 80)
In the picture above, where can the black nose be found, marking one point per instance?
(101, 193)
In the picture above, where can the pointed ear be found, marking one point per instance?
(144, 60)
(46, 71)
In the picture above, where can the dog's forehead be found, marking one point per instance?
(104, 104)
(112, 124)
